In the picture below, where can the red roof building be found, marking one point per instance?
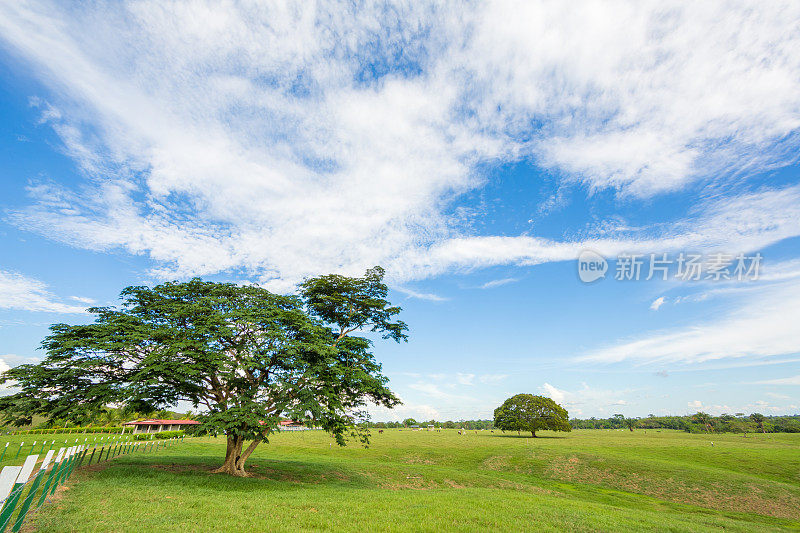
(154, 425)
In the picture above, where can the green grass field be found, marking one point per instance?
(581, 481)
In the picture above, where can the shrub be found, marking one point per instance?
(50, 431)
(159, 435)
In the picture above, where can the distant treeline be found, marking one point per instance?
(68, 429)
(698, 423)
(461, 424)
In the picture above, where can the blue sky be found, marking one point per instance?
(474, 153)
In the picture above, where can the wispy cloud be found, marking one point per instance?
(420, 295)
(288, 141)
(22, 293)
(498, 282)
(757, 406)
(764, 324)
(418, 411)
(492, 378)
(658, 302)
(740, 223)
(443, 393)
(465, 379)
(794, 380)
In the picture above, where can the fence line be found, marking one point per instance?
(16, 480)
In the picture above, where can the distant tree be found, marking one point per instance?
(787, 424)
(758, 418)
(631, 423)
(739, 425)
(249, 356)
(409, 422)
(526, 412)
(704, 419)
(449, 424)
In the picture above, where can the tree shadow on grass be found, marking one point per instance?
(263, 474)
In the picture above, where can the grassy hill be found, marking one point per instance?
(582, 481)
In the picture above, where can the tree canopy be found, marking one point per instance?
(705, 420)
(526, 412)
(758, 418)
(246, 356)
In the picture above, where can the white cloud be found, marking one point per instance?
(498, 282)
(591, 398)
(556, 394)
(421, 295)
(742, 223)
(10, 387)
(782, 396)
(492, 378)
(10, 359)
(780, 270)
(643, 97)
(401, 412)
(28, 294)
(465, 379)
(762, 325)
(756, 406)
(793, 380)
(658, 302)
(454, 394)
(259, 138)
(433, 390)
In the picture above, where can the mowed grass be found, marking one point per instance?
(432, 481)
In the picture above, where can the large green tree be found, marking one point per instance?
(526, 412)
(244, 355)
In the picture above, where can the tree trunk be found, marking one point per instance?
(235, 458)
(533, 433)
